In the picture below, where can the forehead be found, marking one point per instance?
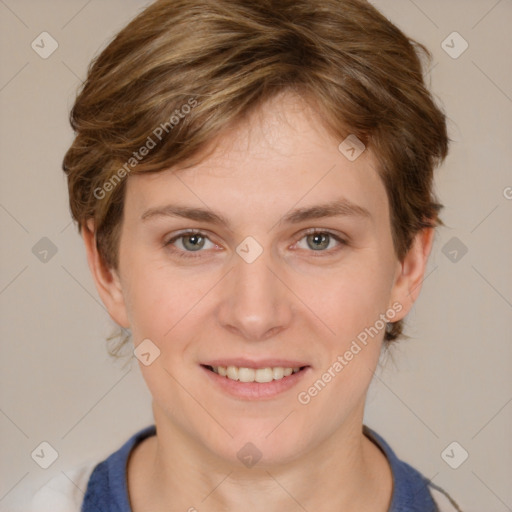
(280, 157)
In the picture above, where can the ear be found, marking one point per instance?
(106, 279)
(411, 272)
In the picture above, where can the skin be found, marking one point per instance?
(294, 301)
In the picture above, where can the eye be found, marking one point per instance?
(191, 241)
(319, 241)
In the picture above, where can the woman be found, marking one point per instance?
(253, 184)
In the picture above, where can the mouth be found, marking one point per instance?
(261, 375)
(255, 381)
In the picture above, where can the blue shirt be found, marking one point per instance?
(107, 486)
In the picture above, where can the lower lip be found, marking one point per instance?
(255, 390)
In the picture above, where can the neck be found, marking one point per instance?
(346, 472)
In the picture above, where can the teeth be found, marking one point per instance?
(232, 373)
(278, 373)
(254, 375)
(246, 374)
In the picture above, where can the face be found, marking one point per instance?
(273, 252)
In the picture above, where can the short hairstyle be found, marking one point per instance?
(184, 70)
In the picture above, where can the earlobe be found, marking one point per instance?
(106, 279)
(411, 271)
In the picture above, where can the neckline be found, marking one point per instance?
(118, 468)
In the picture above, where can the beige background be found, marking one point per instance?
(451, 382)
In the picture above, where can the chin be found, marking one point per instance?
(259, 446)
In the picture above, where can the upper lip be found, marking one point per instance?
(242, 362)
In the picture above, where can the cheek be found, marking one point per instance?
(349, 300)
(162, 303)
(344, 302)
(351, 306)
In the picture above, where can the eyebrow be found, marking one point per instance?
(337, 208)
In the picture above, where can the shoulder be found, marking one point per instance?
(107, 487)
(64, 492)
(412, 491)
(70, 489)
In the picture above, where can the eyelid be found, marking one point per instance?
(191, 231)
(312, 231)
(341, 239)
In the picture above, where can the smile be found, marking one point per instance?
(261, 375)
(261, 382)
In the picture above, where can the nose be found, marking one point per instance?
(256, 304)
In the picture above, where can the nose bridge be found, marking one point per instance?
(256, 304)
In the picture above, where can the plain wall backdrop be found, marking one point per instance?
(450, 383)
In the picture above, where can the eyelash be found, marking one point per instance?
(190, 254)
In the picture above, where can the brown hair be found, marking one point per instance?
(183, 70)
